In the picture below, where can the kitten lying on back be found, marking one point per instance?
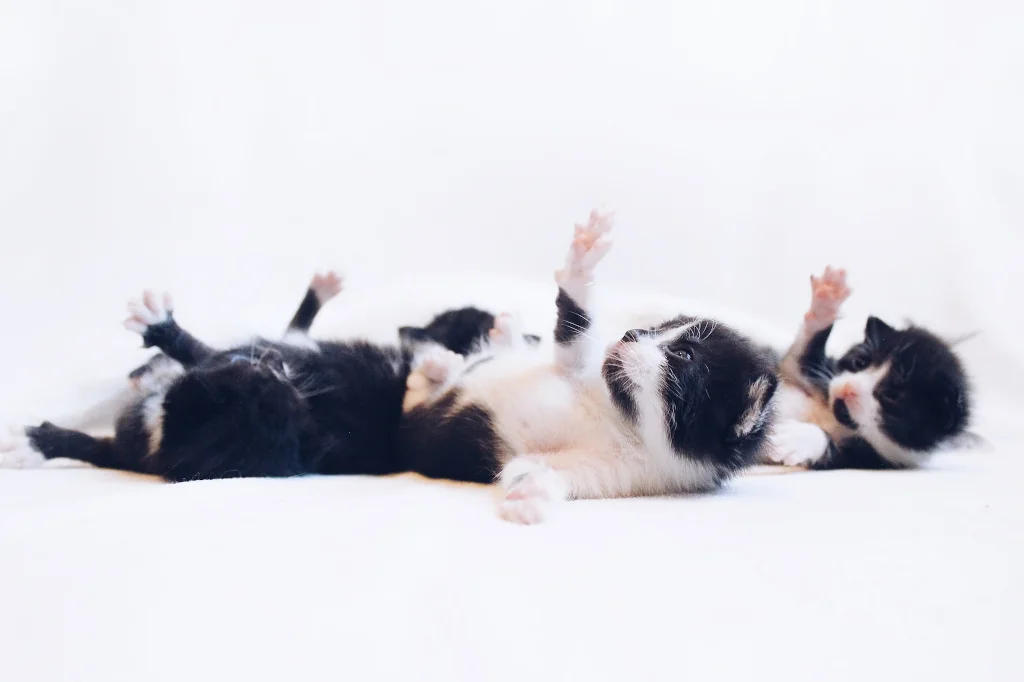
(888, 402)
(678, 407)
(264, 409)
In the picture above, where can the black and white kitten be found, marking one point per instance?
(678, 407)
(264, 409)
(888, 402)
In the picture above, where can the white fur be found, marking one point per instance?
(796, 443)
(153, 418)
(299, 339)
(16, 451)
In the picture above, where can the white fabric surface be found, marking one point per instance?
(788, 576)
(224, 150)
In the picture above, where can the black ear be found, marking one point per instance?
(876, 331)
(412, 334)
(759, 410)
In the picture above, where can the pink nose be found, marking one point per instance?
(847, 393)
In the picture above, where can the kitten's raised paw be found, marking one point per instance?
(506, 330)
(530, 491)
(796, 443)
(438, 363)
(828, 293)
(151, 309)
(326, 285)
(588, 248)
(16, 451)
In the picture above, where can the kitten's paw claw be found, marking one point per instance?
(151, 309)
(828, 293)
(16, 451)
(531, 490)
(797, 444)
(326, 285)
(588, 247)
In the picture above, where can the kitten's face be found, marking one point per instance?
(705, 387)
(900, 387)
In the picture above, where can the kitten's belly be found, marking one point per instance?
(536, 408)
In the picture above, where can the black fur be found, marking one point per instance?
(307, 312)
(572, 319)
(439, 441)
(924, 398)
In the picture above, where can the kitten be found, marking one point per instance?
(678, 407)
(265, 409)
(888, 402)
(461, 330)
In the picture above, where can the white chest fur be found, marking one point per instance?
(571, 422)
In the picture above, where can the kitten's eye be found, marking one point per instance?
(892, 395)
(684, 354)
(858, 362)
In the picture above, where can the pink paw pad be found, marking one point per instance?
(152, 308)
(326, 285)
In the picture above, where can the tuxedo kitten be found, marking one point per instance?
(678, 407)
(263, 409)
(888, 402)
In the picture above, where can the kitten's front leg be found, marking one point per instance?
(572, 338)
(152, 317)
(796, 443)
(433, 369)
(322, 288)
(804, 362)
(533, 485)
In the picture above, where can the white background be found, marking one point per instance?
(224, 150)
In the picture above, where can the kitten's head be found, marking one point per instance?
(235, 415)
(902, 390)
(461, 330)
(700, 387)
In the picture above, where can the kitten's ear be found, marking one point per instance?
(410, 335)
(876, 331)
(759, 410)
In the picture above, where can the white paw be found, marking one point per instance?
(16, 451)
(530, 491)
(326, 285)
(796, 443)
(588, 248)
(437, 363)
(507, 330)
(151, 309)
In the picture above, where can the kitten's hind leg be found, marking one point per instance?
(322, 288)
(572, 338)
(32, 446)
(152, 316)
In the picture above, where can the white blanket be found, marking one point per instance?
(784, 575)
